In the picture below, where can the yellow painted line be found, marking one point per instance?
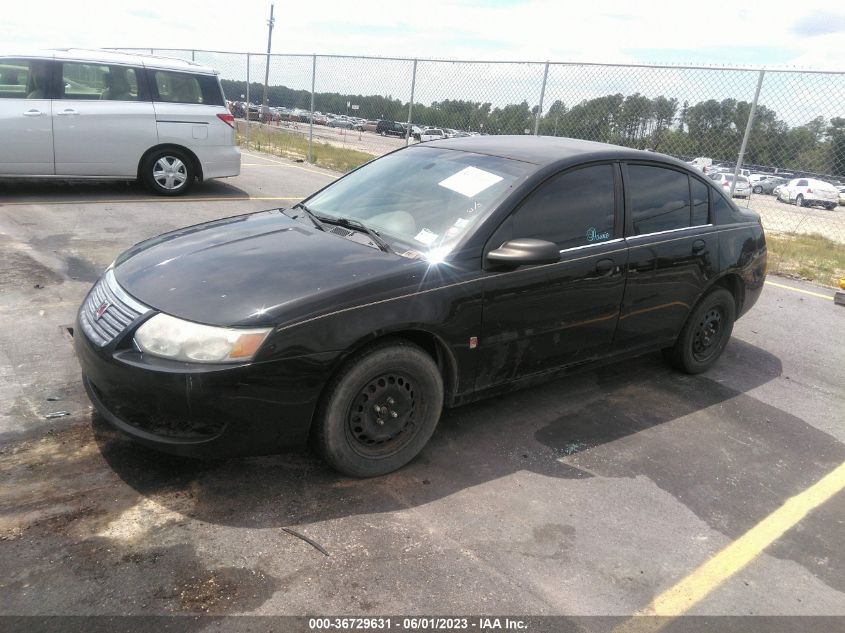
(806, 292)
(151, 200)
(691, 590)
(311, 171)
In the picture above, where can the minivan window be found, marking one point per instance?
(660, 199)
(700, 202)
(24, 79)
(99, 82)
(174, 87)
(572, 209)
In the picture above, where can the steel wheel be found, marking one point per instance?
(170, 173)
(381, 419)
(707, 335)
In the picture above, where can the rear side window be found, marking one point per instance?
(94, 82)
(659, 198)
(572, 209)
(700, 202)
(801, 183)
(24, 79)
(174, 87)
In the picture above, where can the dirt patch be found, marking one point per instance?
(17, 269)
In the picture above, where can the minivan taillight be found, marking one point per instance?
(809, 190)
(228, 119)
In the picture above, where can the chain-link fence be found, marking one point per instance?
(775, 137)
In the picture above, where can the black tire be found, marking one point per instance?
(183, 169)
(380, 410)
(705, 334)
(758, 189)
(799, 201)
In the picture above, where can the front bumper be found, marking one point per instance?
(202, 411)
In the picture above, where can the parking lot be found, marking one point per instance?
(598, 494)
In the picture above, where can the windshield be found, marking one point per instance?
(426, 198)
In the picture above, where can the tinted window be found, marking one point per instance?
(801, 183)
(24, 79)
(572, 209)
(176, 87)
(99, 82)
(659, 199)
(700, 202)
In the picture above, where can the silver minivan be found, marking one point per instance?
(74, 113)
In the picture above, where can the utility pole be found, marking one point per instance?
(270, 23)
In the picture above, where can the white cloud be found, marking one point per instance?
(532, 30)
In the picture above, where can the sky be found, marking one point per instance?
(774, 33)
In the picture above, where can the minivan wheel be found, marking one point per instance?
(799, 201)
(168, 172)
(380, 410)
(705, 334)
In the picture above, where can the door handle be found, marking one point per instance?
(605, 266)
(68, 112)
(33, 112)
(698, 246)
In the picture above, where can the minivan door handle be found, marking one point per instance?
(68, 112)
(33, 112)
(605, 266)
(698, 246)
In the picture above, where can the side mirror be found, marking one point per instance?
(525, 251)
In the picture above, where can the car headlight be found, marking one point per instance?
(169, 337)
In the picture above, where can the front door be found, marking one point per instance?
(103, 120)
(26, 125)
(538, 318)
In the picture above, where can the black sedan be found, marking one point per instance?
(434, 276)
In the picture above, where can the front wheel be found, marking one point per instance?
(799, 201)
(168, 172)
(380, 410)
(758, 189)
(705, 334)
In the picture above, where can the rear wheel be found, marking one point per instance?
(168, 172)
(758, 189)
(799, 201)
(705, 334)
(380, 410)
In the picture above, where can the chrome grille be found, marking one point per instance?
(117, 311)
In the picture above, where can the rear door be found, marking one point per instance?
(186, 108)
(538, 318)
(673, 253)
(26, 125)
(103, 120)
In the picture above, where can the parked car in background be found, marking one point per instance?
(74, 113)
(431, 277)
(842, 196)
(808, 192)
(742, 188)
(767, 185)
(341, 123)
(390, 128)
(432, 134)
(369, 126)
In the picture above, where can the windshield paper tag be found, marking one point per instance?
(470, 181)
(426, 237)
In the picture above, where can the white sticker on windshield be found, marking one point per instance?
(426, 237)
(470, 181)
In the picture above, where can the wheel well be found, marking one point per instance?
(193, 157)
(733, 284)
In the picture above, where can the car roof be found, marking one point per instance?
(547, 150)
(115, 57)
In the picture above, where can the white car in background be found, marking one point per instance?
(742, 189)
(432, 134)
(73, 113)
(807, 192)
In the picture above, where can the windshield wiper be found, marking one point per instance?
(357, 225)
(317, 220)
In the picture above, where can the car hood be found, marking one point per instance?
(261, 269)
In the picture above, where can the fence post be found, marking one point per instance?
(193, 55)
(247, 99)
(747, 130)
(311, 118)
(411, 104)
(542, 96)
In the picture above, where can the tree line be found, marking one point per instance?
(708, 128)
